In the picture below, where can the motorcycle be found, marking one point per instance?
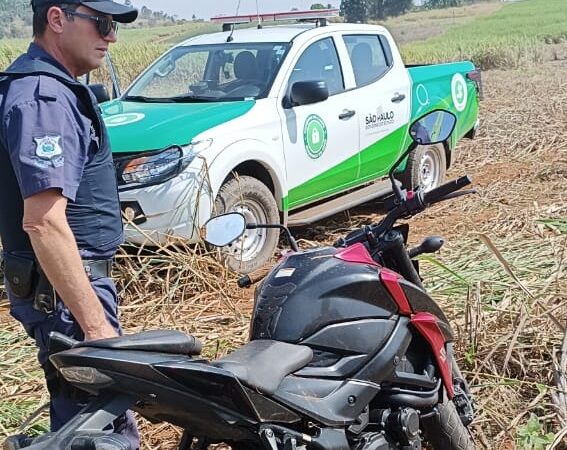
(347, 350)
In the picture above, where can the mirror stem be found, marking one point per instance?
(397, 191)
(289, 236)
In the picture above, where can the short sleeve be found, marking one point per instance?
(47, 147)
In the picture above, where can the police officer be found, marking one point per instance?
(60, 218)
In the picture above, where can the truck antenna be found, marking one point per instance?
(259, 17)
(230, 38)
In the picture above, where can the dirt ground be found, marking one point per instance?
(519, 166)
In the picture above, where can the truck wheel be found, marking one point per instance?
(426, 167)
(253, 199)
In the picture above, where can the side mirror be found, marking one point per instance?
(224, 229)
(308, 92)
(433, 128)
(100, 92)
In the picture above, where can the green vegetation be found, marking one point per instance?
(532, 435)
(490, 36)
(15, 18)
(364, 10)
(516, 33)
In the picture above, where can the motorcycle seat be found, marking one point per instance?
(160, 341)
(262, 364)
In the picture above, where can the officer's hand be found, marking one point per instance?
(105, 332)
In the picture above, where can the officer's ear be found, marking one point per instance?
(56, 19)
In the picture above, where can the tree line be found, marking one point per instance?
(364, 10)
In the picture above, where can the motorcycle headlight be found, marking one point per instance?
(85, 375)
(157, 167)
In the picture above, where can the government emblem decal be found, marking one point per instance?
(48, 147)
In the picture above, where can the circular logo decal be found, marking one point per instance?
(123, 119)
(422, 95)
(315, 136)
(459, 91)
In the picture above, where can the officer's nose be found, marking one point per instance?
(111, 37)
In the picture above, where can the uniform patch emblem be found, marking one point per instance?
(48, 147)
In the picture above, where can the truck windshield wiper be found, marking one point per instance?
(141, 98)
(189, 98)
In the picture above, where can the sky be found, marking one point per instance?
(204, 9)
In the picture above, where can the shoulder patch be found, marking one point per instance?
(48, 147)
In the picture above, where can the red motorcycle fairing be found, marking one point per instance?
(427, 325)
(356, 253)
(391, 281)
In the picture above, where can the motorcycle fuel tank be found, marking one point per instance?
(314, 296)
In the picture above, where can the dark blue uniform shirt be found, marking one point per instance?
(50, 139)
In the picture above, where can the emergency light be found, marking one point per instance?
(317, 15)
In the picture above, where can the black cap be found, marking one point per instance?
(120, 13)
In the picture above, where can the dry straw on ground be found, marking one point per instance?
(501, 276)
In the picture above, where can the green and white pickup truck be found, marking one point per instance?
(286, 124)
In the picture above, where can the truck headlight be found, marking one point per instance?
(156, 167)
(85, 375)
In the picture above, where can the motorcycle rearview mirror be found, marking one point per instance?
(224, 229)
(432, 128)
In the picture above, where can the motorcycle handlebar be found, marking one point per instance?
(442, 191)
(445, 191)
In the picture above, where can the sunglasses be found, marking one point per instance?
(104, 25)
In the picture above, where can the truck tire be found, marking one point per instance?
(445, 431)
(426, 167)
(254, 200)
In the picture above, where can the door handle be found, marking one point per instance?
(347, 114)
(398, 98)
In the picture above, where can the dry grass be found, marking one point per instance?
(422, 25)
(501, 276)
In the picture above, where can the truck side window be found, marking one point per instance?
(368, 57)
(320, 62)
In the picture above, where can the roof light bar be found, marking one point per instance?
(312, 14)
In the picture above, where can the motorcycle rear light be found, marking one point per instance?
(85, 375)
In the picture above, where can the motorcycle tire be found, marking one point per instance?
(445, 431)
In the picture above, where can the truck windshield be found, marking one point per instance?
(219, 72)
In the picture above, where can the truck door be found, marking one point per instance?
(320, 140)
(383, 90)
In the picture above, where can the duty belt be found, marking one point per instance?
(97, 268)
(26, 279)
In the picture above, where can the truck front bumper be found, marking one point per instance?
(156, 215)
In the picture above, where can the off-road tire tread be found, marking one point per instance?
(445, 431)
